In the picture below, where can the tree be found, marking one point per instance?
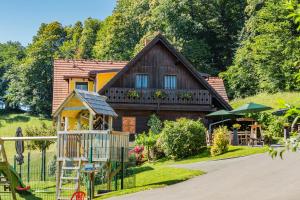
(69, 48)
(88, 38)
(265, 60)
(11, 53)
(121, 31)
(31, 81)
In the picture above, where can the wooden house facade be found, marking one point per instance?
(157, 80)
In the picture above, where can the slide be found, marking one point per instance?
(16, 181)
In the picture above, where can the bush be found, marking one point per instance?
(42, 130)
(183, 138)
(148, 141)
(158, 151)
(155, 124)
(220, 141)
(136, 155)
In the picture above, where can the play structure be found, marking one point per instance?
(86, 143)
(90, 157)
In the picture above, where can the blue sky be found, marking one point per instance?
(20, 19)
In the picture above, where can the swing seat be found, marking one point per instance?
(23, 189)
(78, 196)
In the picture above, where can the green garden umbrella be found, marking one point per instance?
(250, 108)
(219, 113)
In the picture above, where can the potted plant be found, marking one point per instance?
(160, 94)
(186, 95)
(235, 127)
(132, 93)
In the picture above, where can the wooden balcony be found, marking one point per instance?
(150, 96)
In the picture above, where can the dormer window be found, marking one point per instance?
(141, 81)
(170, 82)
(82, 86)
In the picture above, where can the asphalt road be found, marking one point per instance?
(256, 177)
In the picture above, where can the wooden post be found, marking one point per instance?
(58, 125)
(58, 163)
(79, 122)
(66, 123)
(91, 121)
(110, 123)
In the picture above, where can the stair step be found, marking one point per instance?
(65, 188)
(5, 183)
(70, 178)
(63, 198)
(71, 168)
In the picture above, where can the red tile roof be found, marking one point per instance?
(64, 69)
(76, 68)
(218, 84)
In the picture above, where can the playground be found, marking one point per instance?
(85, 161)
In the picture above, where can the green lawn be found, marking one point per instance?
(9, 124)
(151, 176)
(233, 152)
(271, 100)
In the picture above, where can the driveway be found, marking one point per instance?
(256, 177)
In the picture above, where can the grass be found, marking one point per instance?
(9, 122)
(271, 100)
(233, 152)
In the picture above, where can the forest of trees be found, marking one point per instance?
(252, 44)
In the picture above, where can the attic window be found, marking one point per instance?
(82, 86)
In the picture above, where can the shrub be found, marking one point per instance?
(155, 124)
(183, 138)
(158, 151)
(137, 155)
(220, 141)
(148, 141)
(42, 130)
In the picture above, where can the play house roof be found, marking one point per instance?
(80, 100)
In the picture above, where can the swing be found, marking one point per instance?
(78, 196)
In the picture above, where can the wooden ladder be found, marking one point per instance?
(70, 172)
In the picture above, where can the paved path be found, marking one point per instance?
(256, 177)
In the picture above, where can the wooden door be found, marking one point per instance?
(129, 124)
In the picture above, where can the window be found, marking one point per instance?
(141, 81)
(170, 82)
(82, 86)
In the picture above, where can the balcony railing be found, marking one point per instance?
(162, 96)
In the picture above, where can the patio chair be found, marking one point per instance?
(256, 136)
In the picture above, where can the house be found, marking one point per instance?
(157, 80)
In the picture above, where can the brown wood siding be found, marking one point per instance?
(157, 63)
(142, 117)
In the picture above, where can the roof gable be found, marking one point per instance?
(180, 57)
(94, 102)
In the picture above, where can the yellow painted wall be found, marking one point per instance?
(103, 78)
(73, 81)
